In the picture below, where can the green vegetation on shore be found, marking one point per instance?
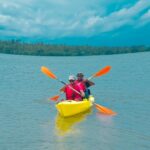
(41, 49)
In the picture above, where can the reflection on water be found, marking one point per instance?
(106, 120)
(65, 125)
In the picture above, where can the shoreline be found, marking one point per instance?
(41, 49)
(74, 55)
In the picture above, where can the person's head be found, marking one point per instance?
(80, 76)
(72, 79)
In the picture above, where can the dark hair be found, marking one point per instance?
(80, 74)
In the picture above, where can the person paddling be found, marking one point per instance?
(84, 84)
(70, 93)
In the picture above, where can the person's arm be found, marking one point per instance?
(88, 83)
(62, 89)
(81, 90)
(82, 93)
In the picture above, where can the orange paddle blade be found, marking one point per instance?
(54, 98)
(103, 71)
(105, 110)
(46, 71)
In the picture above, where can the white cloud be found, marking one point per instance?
(145, 19)
(58, 18)
(122, 17)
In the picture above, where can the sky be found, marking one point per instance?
(77, 22)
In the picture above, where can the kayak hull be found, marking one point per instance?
(70, 107)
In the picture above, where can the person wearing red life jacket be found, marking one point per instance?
(84, 84)
(70, 93)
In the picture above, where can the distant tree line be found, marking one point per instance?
(41, 49)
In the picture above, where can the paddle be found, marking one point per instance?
(56, 97)
(105, 110)
(102, 109)
(101, 72)
(49, 73)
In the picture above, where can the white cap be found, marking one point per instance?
(72, 77)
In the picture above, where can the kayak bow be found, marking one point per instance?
(70, 107)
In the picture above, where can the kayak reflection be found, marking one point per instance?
(65, 125)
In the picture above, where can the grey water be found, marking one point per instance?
(29, 120)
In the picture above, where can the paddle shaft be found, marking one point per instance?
(68, 85)
(90, 78)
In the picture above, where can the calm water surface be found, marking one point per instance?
(29, 121)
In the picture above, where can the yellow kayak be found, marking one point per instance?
(65, 125)
(70, 107)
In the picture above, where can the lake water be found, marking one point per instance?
(29, 121)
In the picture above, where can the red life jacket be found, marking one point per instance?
(81, 85)
(72, 95)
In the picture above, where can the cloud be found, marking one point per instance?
(144, 19)
(63, 18)
(117, 19)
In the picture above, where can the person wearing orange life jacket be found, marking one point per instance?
(70, 93)
(84, 84)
